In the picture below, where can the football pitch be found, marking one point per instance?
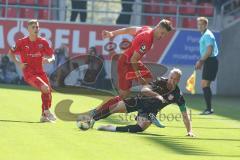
(24, 138)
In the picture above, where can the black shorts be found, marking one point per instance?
(210, 69)
(143, 105)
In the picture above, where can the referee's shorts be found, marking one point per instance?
(210, 69)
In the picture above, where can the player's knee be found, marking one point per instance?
(45, 89)
(149, 80)
(204, 84)
(143, 122)
(144, 126)
(123, 94)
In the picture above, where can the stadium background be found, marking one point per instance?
(23, 137)
(179, 49)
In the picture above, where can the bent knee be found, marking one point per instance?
(205, 83)
(124, 94)
(45, 89)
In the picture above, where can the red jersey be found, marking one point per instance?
(141, 43)
(32, 53)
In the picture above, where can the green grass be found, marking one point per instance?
(23, 138)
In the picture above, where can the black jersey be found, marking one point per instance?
(145, 105)
(175, 96)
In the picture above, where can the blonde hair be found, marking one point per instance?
(177, 71)
(32, 21)
(203, 19)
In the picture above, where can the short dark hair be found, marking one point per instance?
(164, 23)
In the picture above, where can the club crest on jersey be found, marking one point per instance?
(40, 46)
(143, 48)
(170, 97)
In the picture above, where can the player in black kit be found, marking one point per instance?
(153, 97)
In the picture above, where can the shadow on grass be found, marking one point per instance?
(211, 139)
(203, 127)
(173, 144)
(177, 145)
(223, 106)
(16, 121)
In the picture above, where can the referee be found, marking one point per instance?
(209, 61)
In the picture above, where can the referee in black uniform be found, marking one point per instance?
(209, 61)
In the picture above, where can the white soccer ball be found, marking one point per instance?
(83, 125)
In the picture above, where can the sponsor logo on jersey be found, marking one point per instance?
(170, 97)
(40, 46)
(33, 55)
(143, 48)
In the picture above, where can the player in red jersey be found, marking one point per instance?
(35, 51)
(130, 66)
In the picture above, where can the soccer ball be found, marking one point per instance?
(83, 125)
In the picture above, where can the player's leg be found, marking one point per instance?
(142, 124)
(147, 75)
(127, 105)
(124, 84)
(46, 98)
(124, 91)
(103, 111)
(205, 84)
(209, 73)
(41, 83)
(113, 105)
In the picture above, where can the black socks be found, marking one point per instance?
(208, 97)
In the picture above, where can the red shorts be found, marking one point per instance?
(126, 73)
(36, 79)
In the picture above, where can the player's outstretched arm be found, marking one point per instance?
(129, 30)
(188, 124)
